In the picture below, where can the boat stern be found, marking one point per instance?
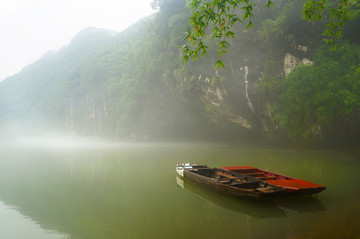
(180, 167)
(180, 170)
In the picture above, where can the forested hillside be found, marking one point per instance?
(280, 83)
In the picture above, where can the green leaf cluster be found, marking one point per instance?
(220, 16)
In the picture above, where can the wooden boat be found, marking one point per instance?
(227, 182)
(291, 185)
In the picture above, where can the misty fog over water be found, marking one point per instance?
(92, 190)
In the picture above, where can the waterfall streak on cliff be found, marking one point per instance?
(246, 69)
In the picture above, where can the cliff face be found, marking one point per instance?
(237, 92)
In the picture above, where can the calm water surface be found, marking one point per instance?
(132, 191)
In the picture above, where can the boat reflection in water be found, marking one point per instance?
(255, 208)
(300, 204)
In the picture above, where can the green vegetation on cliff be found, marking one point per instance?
(315, 100)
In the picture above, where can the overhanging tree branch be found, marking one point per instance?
(219, 14)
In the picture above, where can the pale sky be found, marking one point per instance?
(29, 28)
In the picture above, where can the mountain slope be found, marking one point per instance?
(29, 93)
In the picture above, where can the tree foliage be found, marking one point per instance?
(314, 99)
(340, 11)
(217, 18)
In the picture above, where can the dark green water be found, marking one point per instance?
(132, 191)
